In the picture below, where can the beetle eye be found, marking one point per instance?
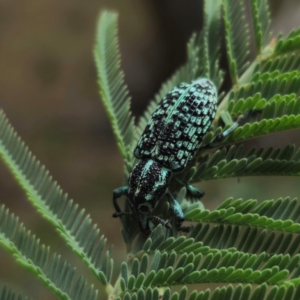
(144, 208)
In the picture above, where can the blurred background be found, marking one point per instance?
(48, 90)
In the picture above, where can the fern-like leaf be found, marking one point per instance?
(210, 55)
(73, 225)
(237, 37)
(253, 239)
(211, 238)
(280, 63)
(272, 215)
(242, 292)
(8, 294)
(113, 91)
(173, 269)
(289, 44)
(261, 22)
(55, 273)
(257, 162)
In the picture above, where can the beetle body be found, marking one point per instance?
(169, 142)
(175, 131)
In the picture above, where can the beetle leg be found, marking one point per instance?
(121, 213)
(161, 221)
(175, 206)
(194, 192)
(227, 132)
(117, 194)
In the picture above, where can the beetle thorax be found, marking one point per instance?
(148, 183)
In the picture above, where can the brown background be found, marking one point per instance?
(48, 90)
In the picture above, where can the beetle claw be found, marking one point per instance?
(168, 225)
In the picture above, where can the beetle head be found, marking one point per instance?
(148, 183)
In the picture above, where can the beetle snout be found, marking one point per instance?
(144, 208)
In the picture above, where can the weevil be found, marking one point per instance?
(169, 142)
